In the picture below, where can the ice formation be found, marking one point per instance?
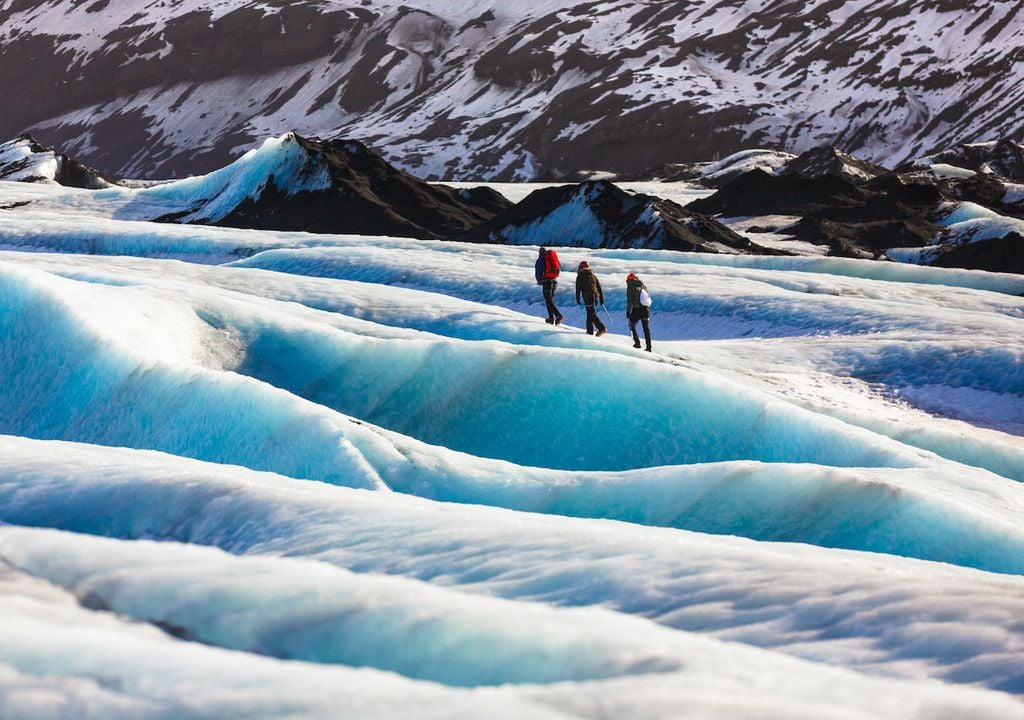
(273, 474)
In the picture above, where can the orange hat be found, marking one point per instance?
(631, 276)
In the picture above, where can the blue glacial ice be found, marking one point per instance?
(406, 483)
(871, 611)
(58, 659)
(469, 397)
(170, 374)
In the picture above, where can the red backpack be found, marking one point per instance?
(551, 266)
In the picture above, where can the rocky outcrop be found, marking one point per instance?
(27, 160)
(1002, 157)
(988, 190)
(760, 193)
(328, 186)
(999, 254)
(599, 214)
(917, 217)
(828, 160)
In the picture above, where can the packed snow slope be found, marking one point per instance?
(490, 90)
(280, 474)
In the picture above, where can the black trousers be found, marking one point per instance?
(640, 315)
(593, 320)
(549, 298)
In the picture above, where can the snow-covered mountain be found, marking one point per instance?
(494, 89)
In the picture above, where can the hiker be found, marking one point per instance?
(589, 287)
(546, 270)
(638, 309)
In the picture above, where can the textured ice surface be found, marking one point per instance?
(814, 482)
(870, 611)
(58, 659)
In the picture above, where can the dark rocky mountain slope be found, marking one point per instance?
(328, 186)
(496, 90)
(599, 214)
(942, 217)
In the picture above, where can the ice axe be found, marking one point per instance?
(608, 314)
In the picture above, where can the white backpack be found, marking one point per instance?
(645, 297)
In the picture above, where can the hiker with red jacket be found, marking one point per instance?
(638, 309)
(589, 287)
(546, 270)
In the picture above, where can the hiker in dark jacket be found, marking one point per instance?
(637, 310)
(546, 269)
(589, 288)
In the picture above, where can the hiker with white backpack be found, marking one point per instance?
(638, 309)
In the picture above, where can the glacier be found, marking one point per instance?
(281, 474)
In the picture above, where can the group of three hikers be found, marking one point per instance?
(588, 287)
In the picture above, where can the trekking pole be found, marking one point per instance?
(607, 314)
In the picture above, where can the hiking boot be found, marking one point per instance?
(600, 332)
(648, 349)
(636, 345)
(551, 321)
(558, 319)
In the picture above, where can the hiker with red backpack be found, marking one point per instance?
(589, 287)
(546, 269)
(638, 309)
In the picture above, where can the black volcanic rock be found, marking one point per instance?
(913, 192)
(864, 239)
(1002, 157)
(28, 160)
(759, 193)
(599, 214)
(1005, 254)
(865, 221)
(828, 160)
(337, 186)
(904, 209)
(988, 190)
